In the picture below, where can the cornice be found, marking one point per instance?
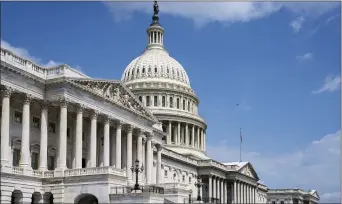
(20, 72)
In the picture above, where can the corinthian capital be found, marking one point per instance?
(27, 98)
(79, 108)
(6, 91)
(63, 102)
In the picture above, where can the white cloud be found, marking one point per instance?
(305, 57)
(316, 166)
(297, 24)
(22, 52)
(224, 12)
(331, 84)
(331, 18)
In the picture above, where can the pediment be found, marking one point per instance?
(114, 92)
(315, 194)
(249, 171)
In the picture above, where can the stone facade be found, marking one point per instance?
(292, 196)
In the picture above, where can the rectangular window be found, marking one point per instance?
(51, 163)
(165, 173)
(18, 116)
(83, 163)
(189, 106)
(171, 102)
(177, 103)
(35, 122)
(163, 101)
(140, 98)
(52, 127)
(34, 160)
(155, 101)
(183, 178)
(183, 104)
(147, 100)
(16, 157)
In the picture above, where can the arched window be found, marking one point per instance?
(183, 104)
(167, 70)
(177, 103)
(137, 71)
(140, 98)
(155, 101)
(171, 102)
(163, 101)
(155, 70)
(147, 100)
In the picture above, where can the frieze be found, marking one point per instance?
(114, 92)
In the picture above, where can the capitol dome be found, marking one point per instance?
(155, 64)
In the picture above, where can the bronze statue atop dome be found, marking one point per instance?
(155, 18)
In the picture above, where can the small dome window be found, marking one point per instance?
(149, 69)
(167, 70)
(155, 70)
(138, 71)
(143, 71)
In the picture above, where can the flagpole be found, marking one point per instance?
(240, 144)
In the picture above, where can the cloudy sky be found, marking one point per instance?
(279, 61)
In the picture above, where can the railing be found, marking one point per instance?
(173, 185)
(179, 156)
(94, 171)
(18, 170)
(33, 68)
(203, 200)
(143, 189)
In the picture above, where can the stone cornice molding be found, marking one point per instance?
(21, 72)
(183, 118)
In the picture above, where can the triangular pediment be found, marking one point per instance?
(314, 193)
(114, 92)
(249, 171)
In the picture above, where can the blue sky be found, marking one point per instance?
(279, 61)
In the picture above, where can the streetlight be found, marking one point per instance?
(137, 170)
(198, 184)
(190, 192)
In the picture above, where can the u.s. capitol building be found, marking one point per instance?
(70, 138)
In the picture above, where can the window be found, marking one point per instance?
(174, 176)
(171, 102)
(273, 202)
(83, 163)
(183, 178)
(163, 101)
(183, 104)
(167, 70)
(165, 173)
(36, 122)
(155, 70)
(281, 202)
(16, 157)
(83, 136)
(189, 179)
(177, 103)
(149, 69)
(155, 101)
(138, 72)
(18, 116)
(189, 106)
(147, 100)
(52, 127)
(140, 98)
(34, 160)
(51, 163)
(143, 71)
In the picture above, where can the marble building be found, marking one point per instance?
(70, 138)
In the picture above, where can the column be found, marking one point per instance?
(225, 192)
(249, 194)
(93, 138)
(79, 130)
(149, 159)
(5, 127)
(43, 137)
(178, 133)
(214, 187)
(232, 193)
(159, 173)
(118, 146)
(112, 144)
(222, 193)
(186, 134)
(25, 137)
(139, 152)
(74, 143)
(244, 193)
(170, 133)
(193, 136)
(197, 138)
(235, 192)
(210, 188)
(202, 139)
(63, 134)
(218, 189)
(238, 192)
(129, 153)
(144, 158)
(106, 147)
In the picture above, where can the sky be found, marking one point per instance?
(279, 61)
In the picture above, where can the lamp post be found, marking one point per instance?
(198, 184)
(137, 170)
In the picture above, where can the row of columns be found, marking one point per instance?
(185, 134)
(228, 192)
(155, 37)
(77, 147)
(169, 101)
